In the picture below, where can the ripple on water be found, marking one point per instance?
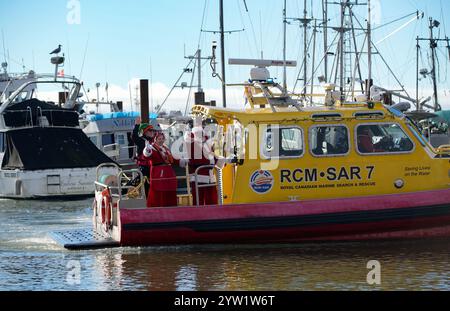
(30, 260)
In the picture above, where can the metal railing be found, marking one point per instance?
(117, 191)
(40, 113)
(210, 185)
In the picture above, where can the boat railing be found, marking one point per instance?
(209, 185)
(41, 118)
(443, 150)
(134, 148)
(141, 187)
(30, 113)
(125, 175)
(117, 191)
(112, 150)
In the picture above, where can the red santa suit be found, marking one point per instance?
(163, 181)
(201, 153)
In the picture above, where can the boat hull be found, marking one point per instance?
(54, 184)
(412, 215)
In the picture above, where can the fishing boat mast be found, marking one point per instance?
(369, 49)
(222, 44)
(433, 46)
(305, 22)
(325, 38)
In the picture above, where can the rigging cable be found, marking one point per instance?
(174, 86)
(190, 88)
(84, 57)
(384, 60)
(203, 21)
(251, 23)
(301, 68)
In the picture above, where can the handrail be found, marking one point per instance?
(197, 186)
(123, 173)
(31, 115)
(39, 116)
(443, 150)
(106, 165)
(42, 80)
(187, 177)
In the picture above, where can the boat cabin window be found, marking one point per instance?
(108, 139)
(329, 140)
(2, 142)
(121, 139)
(283, 142)
(382, 138)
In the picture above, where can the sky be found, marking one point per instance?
(121, 41)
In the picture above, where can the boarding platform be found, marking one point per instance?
(82, 239)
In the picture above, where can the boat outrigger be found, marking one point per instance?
(342, 171)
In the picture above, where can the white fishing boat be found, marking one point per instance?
(43, 151)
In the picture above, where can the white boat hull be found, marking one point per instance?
(42, 184)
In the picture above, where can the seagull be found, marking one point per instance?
(57, 51)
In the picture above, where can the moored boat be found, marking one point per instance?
(43, 152)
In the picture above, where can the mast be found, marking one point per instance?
(341, 51)
(369, 49)
(199, 67)
(433, 45)
(325, 36)
(305, 45)
(284, 49)
(313, 58)
(222, 43)
(417, 74)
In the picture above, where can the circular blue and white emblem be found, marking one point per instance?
(261, 182)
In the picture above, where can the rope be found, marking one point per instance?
(136, 191)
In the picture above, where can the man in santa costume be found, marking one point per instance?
(201, 153)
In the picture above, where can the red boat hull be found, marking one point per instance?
(413, 215)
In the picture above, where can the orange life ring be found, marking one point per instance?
(106, 207)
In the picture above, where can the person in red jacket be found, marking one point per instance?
(201, 153)
(163, 180)
(143, 133)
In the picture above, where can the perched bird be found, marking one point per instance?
(57, 51)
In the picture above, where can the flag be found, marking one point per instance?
(61, 73)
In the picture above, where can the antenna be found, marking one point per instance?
(97, 85)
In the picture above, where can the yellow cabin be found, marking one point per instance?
(292, 154)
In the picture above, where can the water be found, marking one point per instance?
(30, 260)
